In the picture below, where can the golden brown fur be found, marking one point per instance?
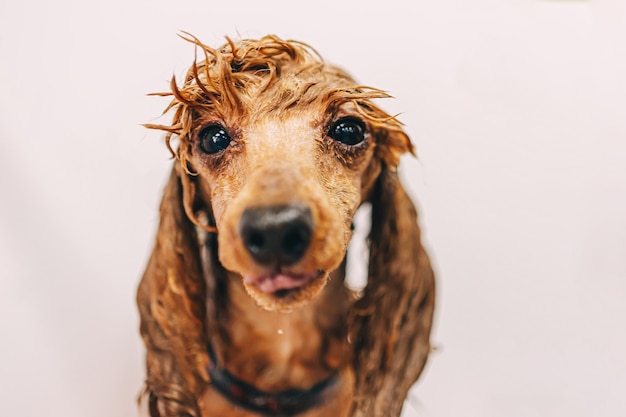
(277, 100)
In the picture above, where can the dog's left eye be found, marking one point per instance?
(348, 131)
(213, 139)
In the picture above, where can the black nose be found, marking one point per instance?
(277, 234)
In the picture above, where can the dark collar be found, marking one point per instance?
(283, 403)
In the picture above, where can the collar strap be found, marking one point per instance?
(282, 403)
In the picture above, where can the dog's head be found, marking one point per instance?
(280, 149)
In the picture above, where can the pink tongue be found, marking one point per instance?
(279, 282)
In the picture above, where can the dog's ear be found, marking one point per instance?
(171, 300)
(390, 324)
(392, 143)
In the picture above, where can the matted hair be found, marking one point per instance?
(253, 77)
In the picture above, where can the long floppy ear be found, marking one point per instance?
(171, 301)
(390, 325)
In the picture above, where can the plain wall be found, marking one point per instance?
(517, 110)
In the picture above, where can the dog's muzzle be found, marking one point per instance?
(277, 237)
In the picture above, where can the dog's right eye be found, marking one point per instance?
(213, 139)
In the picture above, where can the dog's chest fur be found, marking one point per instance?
(278, 351)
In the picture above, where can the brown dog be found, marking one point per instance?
(244, 311)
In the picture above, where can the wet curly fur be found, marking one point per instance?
(277, 101)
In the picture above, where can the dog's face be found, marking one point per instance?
(285, 149)
(283, 191)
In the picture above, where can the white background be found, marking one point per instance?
(517, 109)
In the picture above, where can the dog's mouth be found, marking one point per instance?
(281, 283)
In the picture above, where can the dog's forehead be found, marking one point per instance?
(312, 90)
(278, 136)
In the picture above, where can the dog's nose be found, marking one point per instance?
(276, 234)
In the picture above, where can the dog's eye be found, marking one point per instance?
(213, 139)
(348, 131)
